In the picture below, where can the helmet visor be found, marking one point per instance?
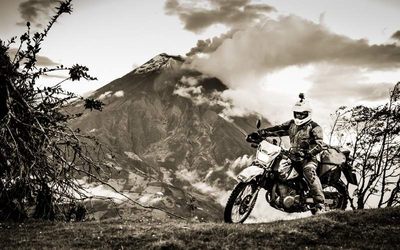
(300, 115)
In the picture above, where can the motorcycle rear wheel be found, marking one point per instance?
(336, 192)
(241, 202)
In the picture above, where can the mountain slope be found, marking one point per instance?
(163, 124)
(364, 229)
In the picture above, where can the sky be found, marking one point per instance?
(266, 51)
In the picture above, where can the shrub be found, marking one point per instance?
(40, 155)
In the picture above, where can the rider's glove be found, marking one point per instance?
(252, 137)
(302, 154)
(314, 151)
(307, 155)
(265, 133)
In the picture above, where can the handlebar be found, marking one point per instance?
(256, 138)
(294, 154)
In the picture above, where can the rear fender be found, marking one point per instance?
(324, 168)
(331, 176)
(350, 174)
(250, 173)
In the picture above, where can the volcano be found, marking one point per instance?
(171, 146)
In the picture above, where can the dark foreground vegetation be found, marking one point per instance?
(367, 229)
(41, 156)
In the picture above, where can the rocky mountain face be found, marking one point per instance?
(171, 147)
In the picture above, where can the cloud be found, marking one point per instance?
(35, 10)
(55, 76)
(241, 162)
(333, 83)
(392, 3)
(187, 92)
(187, 88)
(42, 61)
(232, 13)
(190, 88)
(119, 93)
(396, 35)
(327, 86)
(267, 65)
(256, 99)
(290, 41)
(191, 81)
(105, 95)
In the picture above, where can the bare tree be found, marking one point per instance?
(373, 135)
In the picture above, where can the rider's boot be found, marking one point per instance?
(319, 208)
(309, 171)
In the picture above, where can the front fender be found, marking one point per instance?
(250, 173)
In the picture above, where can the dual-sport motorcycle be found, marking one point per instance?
(279, 172)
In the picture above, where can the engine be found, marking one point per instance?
(287, 196)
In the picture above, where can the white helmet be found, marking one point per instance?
(302, 111)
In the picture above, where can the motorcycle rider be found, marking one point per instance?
(307, 138)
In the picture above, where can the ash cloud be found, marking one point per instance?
(232, 13)
(210, 45)
(35, 11)
(266, 65)
(290, 41)
(267, 62)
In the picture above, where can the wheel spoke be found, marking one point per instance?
(236, 217)
(237, 201)
(242, 204)
(334, 195)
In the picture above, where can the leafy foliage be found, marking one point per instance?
(40, 155)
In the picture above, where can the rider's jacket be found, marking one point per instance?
(307, 137)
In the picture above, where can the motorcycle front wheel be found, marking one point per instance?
(241, 202)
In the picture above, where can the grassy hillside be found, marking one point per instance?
(370, 229)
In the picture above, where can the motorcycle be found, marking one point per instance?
(279, 172)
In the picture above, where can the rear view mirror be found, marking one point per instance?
(258, 124)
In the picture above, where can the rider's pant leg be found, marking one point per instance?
(310, 173)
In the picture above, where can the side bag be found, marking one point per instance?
(332, 156)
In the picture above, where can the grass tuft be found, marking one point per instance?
(367, 229)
